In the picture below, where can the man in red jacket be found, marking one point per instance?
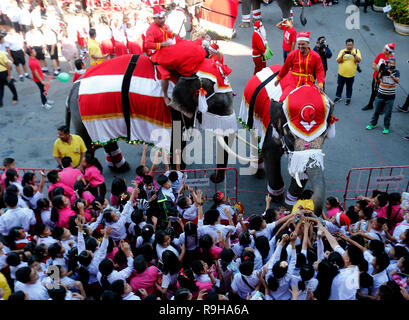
(304, 65)
(157, 37)
(259, 45)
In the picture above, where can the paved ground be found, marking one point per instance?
(27, 132)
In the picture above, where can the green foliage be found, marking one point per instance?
(400, 11)
(380, 3)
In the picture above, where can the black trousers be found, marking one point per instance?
(374, 88)
(406, 104)
(43, 97)
(10, 84)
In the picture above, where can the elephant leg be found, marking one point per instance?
(294, 191)
(272, 152)
(245, 14)
(285, 6)
(114, 158)
(256, 11)
(177, 141)
(222, 158)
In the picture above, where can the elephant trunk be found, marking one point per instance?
(316, 178)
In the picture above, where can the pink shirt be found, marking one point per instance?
(332, 212)
(114, 199)
(69, 176)
(145, 280)
(112, 254)
(215, 252)
(3, 178)
(93, 176)
(68, 191)
(87, 196)
(395, 215)
(64, 216)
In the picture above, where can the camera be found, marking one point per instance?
(347, 52)
(385, 69)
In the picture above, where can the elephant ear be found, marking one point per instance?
(277, 117)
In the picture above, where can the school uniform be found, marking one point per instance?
(46, 219)
(267, 231)
(13, 269)
(345, 284)
(118, 228)
(378, 280)
(309, 285)
(399, 229)
(212, 230)
(240, 286)
(35, 291)
(160, 250)
(19, 217)
(119, 275)
(131, 296)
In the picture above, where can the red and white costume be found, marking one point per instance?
(155, 35)
(259, 44)
(301, 69)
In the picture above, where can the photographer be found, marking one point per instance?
(388, 79)
(348, 60)
(324, 51)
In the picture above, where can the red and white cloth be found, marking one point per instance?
(219, 16)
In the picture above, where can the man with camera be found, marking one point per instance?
(348, 60)
(388, 78)
(386, 53)
(324, 51)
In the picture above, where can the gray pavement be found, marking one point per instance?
(27, 132)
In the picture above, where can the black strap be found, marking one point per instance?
(126, 104)
(391, 220)
(218, 12)
(247, 284)
(250, 119)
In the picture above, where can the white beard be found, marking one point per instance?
(263, 33)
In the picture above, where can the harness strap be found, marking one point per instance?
(126, 104)
(250, 120)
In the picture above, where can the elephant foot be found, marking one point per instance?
(260, 174)
(277, 199)
(124, 168)
(217, 178)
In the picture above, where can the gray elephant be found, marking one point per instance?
(252, 8)
(112, 102)
(297, 127)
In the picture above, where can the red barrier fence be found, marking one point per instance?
(361, 181)
(200, 179)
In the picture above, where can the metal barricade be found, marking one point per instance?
(361, 181)
(200, 179)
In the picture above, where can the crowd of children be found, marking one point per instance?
(153, 240)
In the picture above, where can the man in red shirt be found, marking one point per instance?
(38, 77)
(304, 65)
(289, 36)
(386, 53)
(259, 45)
(157, 37)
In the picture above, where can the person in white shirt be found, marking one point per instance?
(123, 290)
(14, 13)
(163, 243)
(212, 218)
(15, 45)
(25, 20)
(107, 274)
(14, 216)
(28, 281)
(247, 280)
(50, 40)
(35, 39)
(36, 18)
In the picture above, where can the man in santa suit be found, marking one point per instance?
(259, 45)
(158, 36)
(303, 65)
(215, 54)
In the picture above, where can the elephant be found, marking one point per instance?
(138, 109)
(252, 7)
(298, 127)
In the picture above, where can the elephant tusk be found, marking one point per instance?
(297, 179)
(231, 152)
(246, 142)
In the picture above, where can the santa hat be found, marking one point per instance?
(390, 47)
(342, 219)
(258, 24)
(158, 12)
(308, 113)
(214, 47)
(303, 36)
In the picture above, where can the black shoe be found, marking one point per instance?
(401, 109)
(337, 100)
(347, 102)
(406, 138)
(368, 107)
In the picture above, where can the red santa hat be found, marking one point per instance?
(214, 47)
(303, 36)
(258, 24)
(390, 47)
(342, 219)
(158, 12)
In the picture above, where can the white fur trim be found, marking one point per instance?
(303, 39)
(275, 192)
(337, 218)
(290, 199)
(214, 121)
(297, 161)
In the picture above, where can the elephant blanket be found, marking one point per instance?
(219, 16)
(305, 121)
(100, 101)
